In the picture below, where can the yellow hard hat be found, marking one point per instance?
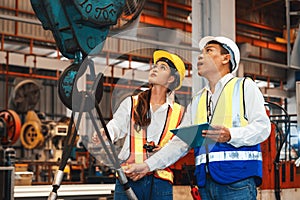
(178, 63)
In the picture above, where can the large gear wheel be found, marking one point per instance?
(31, 136)
(25, 96)
(13, 126)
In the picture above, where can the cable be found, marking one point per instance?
(276, 161)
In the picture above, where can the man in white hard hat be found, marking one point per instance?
(231, 166)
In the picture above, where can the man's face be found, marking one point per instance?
(210, 60)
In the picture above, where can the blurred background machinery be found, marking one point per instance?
(33, 122)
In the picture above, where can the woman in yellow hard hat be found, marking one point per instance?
(144, 120)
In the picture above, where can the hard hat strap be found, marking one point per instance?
(168, 61)
(232, 57)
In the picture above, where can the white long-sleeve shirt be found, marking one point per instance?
(119, 126)
(257, 130)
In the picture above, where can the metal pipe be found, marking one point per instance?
(155, 42)
(167, 23)
(2, 42)
(16, 14)
(6, 80)
(270, 63)
(36, 76)
(288, 44)
(20, 19)
(186, 7)
(263, 5)
(253, 40)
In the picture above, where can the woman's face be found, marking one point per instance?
(160, 74)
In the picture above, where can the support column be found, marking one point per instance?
(210, 17)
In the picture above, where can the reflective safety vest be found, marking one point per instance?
(225, 163)
(138, 138)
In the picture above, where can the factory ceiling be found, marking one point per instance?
(262, 24)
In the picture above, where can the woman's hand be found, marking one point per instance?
(136, 171)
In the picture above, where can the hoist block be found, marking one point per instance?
(78, 25)
(68, 92)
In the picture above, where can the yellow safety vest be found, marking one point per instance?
(233, 112)
(139, 138)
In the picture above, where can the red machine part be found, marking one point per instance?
(13, 126)
(268, 149)
(188, 159)
(289, 173)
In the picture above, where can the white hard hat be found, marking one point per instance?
(226, 43)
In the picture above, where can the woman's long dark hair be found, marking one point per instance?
(142, 115)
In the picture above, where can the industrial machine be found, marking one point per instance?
(13, 127)
(34, 131)
(41, 134)
(80, 28)
(25, 95)
(281, 176)
(9, 133)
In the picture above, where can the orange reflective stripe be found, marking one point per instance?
(137, 153)
(174, 117)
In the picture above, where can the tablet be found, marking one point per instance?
(192, 135)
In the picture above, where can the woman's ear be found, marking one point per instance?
(171, 79)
